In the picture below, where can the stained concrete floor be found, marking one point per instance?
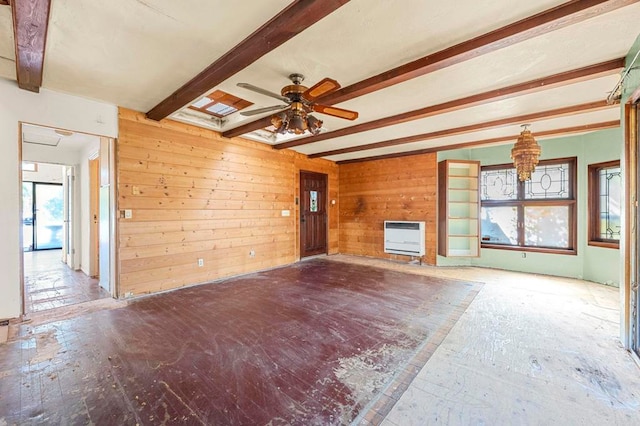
(528, 350)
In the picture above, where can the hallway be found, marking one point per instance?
(50, 283)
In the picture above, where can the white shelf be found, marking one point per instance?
(462, 253)
(459, 208)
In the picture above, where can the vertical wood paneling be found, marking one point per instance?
(196, 195)
(390, 189)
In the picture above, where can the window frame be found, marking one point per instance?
(593, 212)
(521, 202)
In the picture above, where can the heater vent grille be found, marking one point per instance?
(404, 237)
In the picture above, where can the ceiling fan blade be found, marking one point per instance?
(324, 86)
(262, 91)
(261, 110)
(336, 112)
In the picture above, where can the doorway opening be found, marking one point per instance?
(59, 210)
(313, 214)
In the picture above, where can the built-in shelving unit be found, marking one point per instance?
(458, 208)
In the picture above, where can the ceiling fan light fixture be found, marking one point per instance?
(297, 123)
(314, 125)
(279, 121)
(300, 102)
(525, 154)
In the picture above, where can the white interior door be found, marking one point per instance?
(94, 213)
(104, 244)
(106, 249)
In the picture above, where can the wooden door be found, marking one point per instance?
(313, 213)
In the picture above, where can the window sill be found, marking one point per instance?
(605, 244)
(571, 252)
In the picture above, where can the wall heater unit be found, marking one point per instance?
(402, 237)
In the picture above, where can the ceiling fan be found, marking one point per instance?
(295, 116)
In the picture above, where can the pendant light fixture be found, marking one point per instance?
(525, 154)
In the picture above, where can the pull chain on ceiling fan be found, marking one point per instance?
(295, 117)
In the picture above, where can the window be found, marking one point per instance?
(605, 196)
(28, 166)
(535, 215)
(219, 104)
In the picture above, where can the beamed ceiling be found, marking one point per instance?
(424, 75)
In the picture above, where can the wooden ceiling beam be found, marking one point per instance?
(260, 123)
(30, 22)
(556, 80)
(493, 141)
(564, 15)
(291, 21)
(525, 118)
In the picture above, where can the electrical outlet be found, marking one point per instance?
(252, 253)
(128, 213)
(200, 262)
(524, 255)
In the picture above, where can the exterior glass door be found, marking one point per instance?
(43, 215)
(27, 216)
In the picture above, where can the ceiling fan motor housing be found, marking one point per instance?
(294, 92)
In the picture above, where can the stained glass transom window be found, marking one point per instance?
(499, 184)
(548, 181)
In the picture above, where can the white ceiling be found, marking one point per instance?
(46, 144)
(136, 53)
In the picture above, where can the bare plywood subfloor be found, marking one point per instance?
(529, 350)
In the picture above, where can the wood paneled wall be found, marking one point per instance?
(391, 189)
(196, 195)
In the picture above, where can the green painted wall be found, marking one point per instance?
(591, 263)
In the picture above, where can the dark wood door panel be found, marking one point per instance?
(313, 213)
